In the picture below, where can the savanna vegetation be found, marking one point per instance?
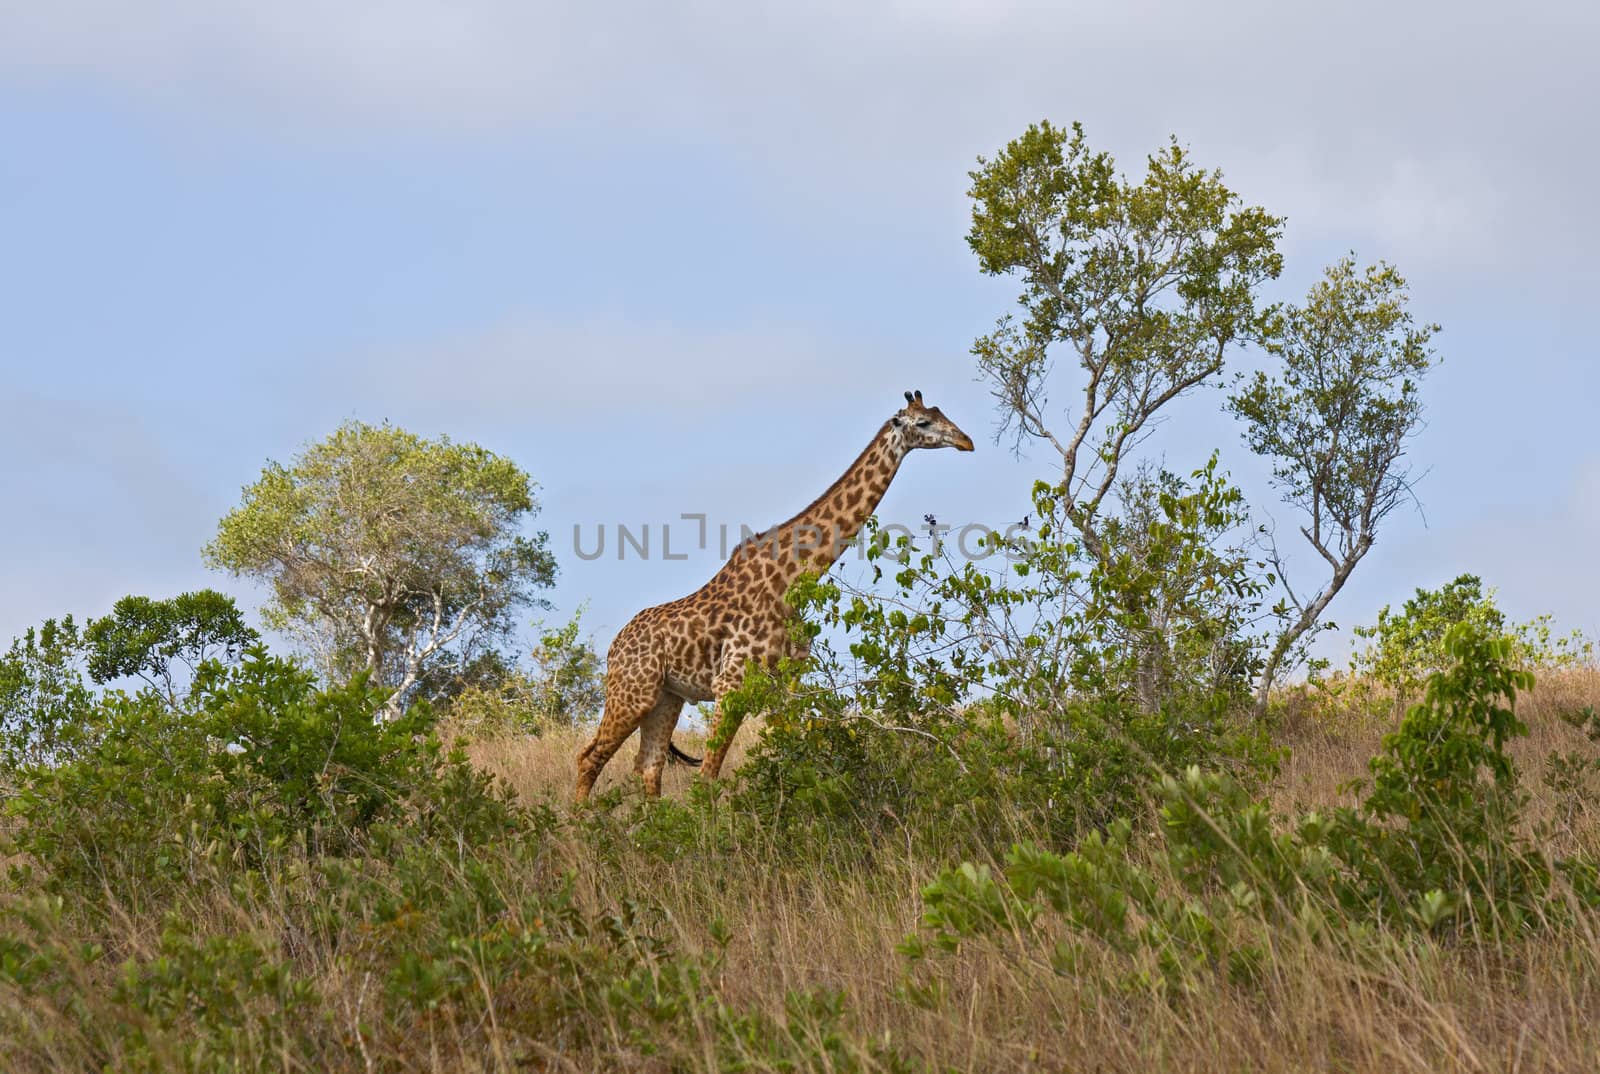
(1082, 803)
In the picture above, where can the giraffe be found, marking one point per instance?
(696, 648)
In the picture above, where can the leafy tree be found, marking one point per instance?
(46, 696)
(145, 638)
(42, 692)
(388, 553)
(1335, 420)
(1143, 286)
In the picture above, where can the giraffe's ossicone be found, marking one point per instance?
(697, 648)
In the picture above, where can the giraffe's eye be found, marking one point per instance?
(924, 423)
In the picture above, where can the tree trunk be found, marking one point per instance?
(1308, 618)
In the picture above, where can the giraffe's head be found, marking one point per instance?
(927, 427)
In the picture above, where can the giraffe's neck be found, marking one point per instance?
(819, 535)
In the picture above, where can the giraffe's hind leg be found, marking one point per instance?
(655, 736)
(630, 699)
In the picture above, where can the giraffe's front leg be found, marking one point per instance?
(723, 727)
(724, 724)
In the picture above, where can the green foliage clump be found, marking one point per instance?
(970, 704)
(829, 779)
(145, 638)
(1164, 269)
(139, 796)
(43, 693)
(1434, 822)
(1406, 646)
(46, 699)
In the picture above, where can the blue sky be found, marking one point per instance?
(685, 258)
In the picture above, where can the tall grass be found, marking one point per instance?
(761, 932)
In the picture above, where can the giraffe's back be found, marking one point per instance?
(682, 645)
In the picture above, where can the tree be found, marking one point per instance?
(388, 553)
(1335, 421)
(45, 694)
(42, 693)
(143, 637)
(1145, 286)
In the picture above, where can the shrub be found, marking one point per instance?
(964, 707)
(261, 758)
(45, 692)
(1442, 812)
(155, 640)
(1406, 647)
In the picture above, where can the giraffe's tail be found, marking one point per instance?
(680, 757)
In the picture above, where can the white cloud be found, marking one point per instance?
(597, 369)
(1457, 139)
(1434, 130)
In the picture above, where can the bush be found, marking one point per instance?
(154, 640)
(43, 695)
(1406, 647)
(261, 758)
(963, 708)
(834, 781)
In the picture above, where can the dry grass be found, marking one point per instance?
(1329, 750)
(1421, 1007)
